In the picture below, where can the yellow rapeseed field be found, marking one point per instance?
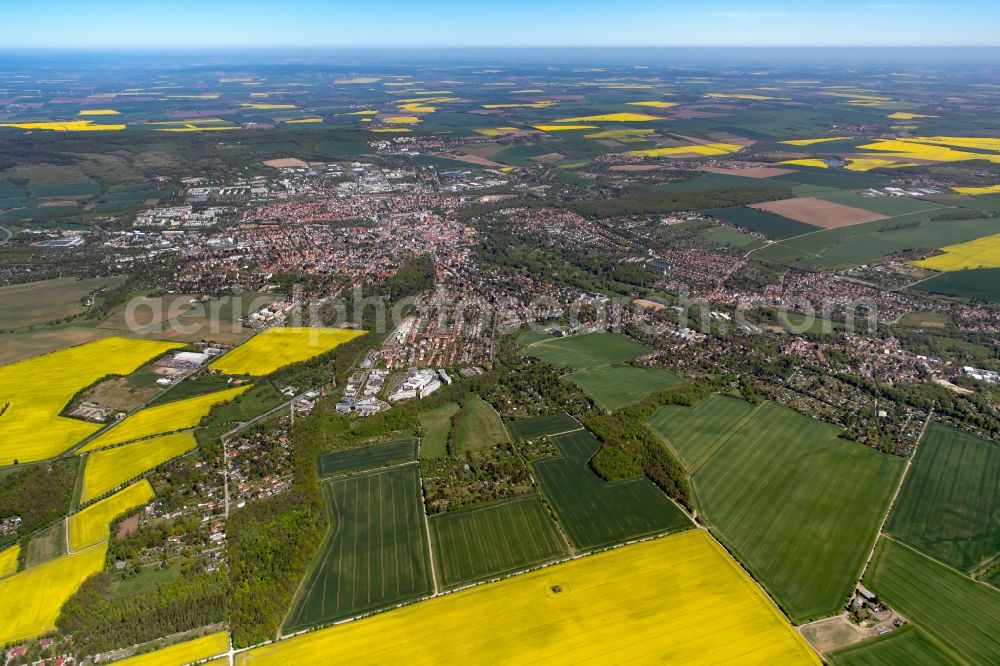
(903, 115)
(819, 164)
(810, 142)
(401, 120)
(67, 126)
(612, 118)
(107, 469)
(169, 417)
(936, 149)
(30, 600)
(496, 131)
(98, 112)
(297, 121)
(563, 128)
(656, 104)
(36, 390)
(867, 164)
(8, 560)
(980, 253)
(680, 599)
(182, 653)
(706, 150)
(198, 128)
(388, 130)
(366, 112)
(360, 79)
(92, 524)
(277, 347)
(974, 191)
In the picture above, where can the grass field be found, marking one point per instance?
(949, 506)
(782, 494)
(435, 425)
(367, 457)
(168, 417)
(30, 600)
(375, 555)
(961, 614)
(586, 350)
(109, 468)
(542, 426)
(493, 540)
(8, 560)
(615, 386)
(769, 224)
(23, 345)
(696, 433)
(596, 513)
(36, 390)
(678, 599)
(182, 653)
(92, 524)
(41, 302)
(45, 301)
(906, 646)
(983, 284)
(479, 426)
(277, 347)
(47, 545)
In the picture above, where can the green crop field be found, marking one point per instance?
(864, 243)
(888, 206)
(980, 283)
(762, 222)
(586, 350)
(783, 494)
(493, 540)
(479, 426)
(949, 506)
(435, 425)
(960, 613)
(696, 433)
(615, 386)
(906, 646)
(596, 513)
(543, 426)
(375, 554)
(728, 237)
(367, 457)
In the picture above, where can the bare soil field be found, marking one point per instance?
(118, 393)
(752, 172)
(649, 305)
(819, 212)
(286, 162)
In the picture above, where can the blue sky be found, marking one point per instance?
(185, 24)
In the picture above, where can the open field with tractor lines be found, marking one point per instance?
(376, 553)
(492, 540)
(615, 386)
(775, 494)
(367, 457)
(594, 512)
(586, 350)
